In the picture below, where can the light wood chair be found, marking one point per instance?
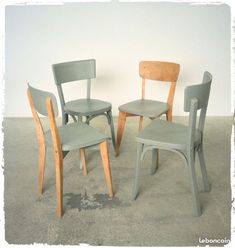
(152, 70)
(184, 140)
(90, 108)
(75, 136)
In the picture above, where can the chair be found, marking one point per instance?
(182, 139)
(90, 108)
(64, 139)
(152, 70)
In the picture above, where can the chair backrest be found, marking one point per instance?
(74, 71)
(196, 98)
(160, 71)
(39, 98)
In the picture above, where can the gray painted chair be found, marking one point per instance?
(75, 136)
(90, 108)
(150, 70)
(184, 140)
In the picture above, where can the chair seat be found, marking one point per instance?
(86, 136)
(86, 107)
(147, 108)
(166, 135)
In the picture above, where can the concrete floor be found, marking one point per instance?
(162, 215)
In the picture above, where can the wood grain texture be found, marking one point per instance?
(106, 164)
(58, 157)
(83, 159)
(121, 126)
(41, 142)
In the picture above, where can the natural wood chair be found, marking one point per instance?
(89, 107)
(152, 70)
(75, 136)
(185, 140)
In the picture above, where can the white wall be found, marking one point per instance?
(118, 36)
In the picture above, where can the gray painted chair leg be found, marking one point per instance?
(112, 128)
(203, 170)
(155, 160)
(194, 188)
(137, 171)
(65, 118)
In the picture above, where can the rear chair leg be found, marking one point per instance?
(42, 157)
(83, 160)
(121, 126)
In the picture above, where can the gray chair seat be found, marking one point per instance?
(88, 136)
(144, 107)
(87, 107)
(166, 135)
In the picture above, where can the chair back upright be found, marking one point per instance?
(45, 103)
(74, 71)
(160, 71)
(196, 98)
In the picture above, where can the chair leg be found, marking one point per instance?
(121, 126)
(106, 164)
(169, 115)
(203, 170)
(112, 128)
(155, 160)
(65, 118)
(42, 157)
(194, 188)
(141, 123)
(83, 160)
(59, 184)
(137, 171)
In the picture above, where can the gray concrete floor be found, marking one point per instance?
(162, 215)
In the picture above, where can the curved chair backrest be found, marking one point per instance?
(160, 71)
(74, 70)
(200, 92)
(39, 100)
(196, 98)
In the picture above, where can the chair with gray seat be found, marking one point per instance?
(181, 139)
(149, 70)
(75, 136)
(88, 107)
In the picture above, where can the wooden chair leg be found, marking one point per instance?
(83, 159)
(42, 157)
(141, 123)
(169, 115)
(59, 184)
(121, 126)
(105, 158)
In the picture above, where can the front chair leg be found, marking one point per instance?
(137, 171)
(106, 164)
(59, 184)
(121, 126)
